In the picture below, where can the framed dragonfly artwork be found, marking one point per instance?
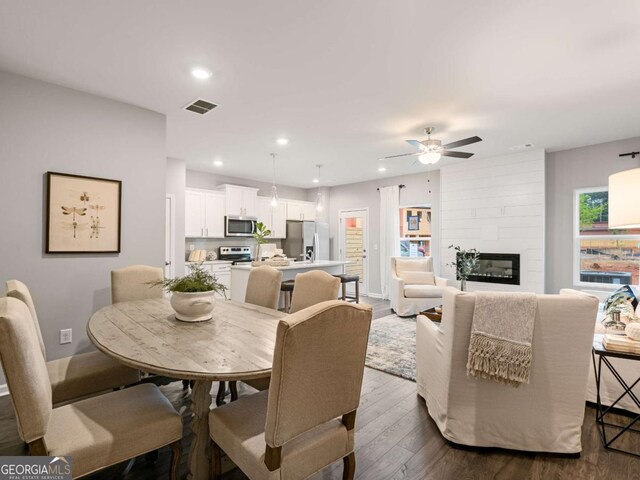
(83, 214)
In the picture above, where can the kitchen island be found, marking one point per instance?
(240, 273)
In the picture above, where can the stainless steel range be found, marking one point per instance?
(235, 254)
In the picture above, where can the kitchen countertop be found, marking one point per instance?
(297, 265)
(210, 262)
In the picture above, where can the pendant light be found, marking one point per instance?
(274, 189)
(319, 205)
(624, 197)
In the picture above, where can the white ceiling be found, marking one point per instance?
(346, 81)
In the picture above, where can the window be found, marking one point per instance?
(415, 231)
(603, 257)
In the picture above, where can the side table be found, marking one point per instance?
(603, 356)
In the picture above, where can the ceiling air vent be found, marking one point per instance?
(200, 106)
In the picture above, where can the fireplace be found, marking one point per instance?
(498, 268)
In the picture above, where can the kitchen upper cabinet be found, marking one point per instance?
(194, 214)
(240, 201)
(275, 218)
(204, 214)
(299, 210)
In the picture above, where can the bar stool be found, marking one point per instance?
(287, 288)
(346, 278)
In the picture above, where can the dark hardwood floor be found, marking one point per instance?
(396, 439)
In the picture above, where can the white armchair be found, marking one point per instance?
(414, 287)
(545, 415)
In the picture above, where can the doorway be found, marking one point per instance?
(354, 246)
(169, 236)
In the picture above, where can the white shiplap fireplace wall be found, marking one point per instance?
(496, 205)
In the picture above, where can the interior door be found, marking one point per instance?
(354, 245)
(169, 246)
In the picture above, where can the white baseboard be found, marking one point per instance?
(4, 390)
(373, 295)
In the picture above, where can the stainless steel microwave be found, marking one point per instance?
(239, 226)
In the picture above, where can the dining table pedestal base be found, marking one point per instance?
(200, 445)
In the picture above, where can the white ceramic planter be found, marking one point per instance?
(193, 306)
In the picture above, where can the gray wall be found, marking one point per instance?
(365, 195)
(565, 171)
(175, 182)
(44, 127)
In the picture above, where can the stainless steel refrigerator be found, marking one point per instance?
(306, 238)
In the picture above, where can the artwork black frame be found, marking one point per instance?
(413, 218)
(48, 214)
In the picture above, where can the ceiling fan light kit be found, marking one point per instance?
(431, 150)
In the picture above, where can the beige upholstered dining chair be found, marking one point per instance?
(97, 432)
(305, 421)
(313, 287)
(263, 287)
(132, 283)
(79, 375)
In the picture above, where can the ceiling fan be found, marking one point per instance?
(430, 150)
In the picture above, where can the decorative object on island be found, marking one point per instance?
(192, 296)
(83, 214)
(466, 264)
(260, 235)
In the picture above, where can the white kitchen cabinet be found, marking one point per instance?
(275, 218)
(240, 201)
(299, 210)
(204, 213)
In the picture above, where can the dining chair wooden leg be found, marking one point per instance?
(233, 386)
(349, 466)
(344, 292)
(358, 291)
(176, 456)
(222, 391)
(185, 384)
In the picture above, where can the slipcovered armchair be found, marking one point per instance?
(414, 287)
(545, 415)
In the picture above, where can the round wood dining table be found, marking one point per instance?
(236, 344)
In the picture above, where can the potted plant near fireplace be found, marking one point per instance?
(466, 264)
(193, 296)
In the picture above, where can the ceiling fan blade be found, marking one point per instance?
(401, 155)
(457, 154)
(416, 144)
(462, 143)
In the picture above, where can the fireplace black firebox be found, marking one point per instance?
(498, 268)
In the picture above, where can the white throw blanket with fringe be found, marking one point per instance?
(501, 335)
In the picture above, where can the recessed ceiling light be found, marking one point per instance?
(315, 180)
(382, 169)
(218, 163)
(201, 73)
(283, 141)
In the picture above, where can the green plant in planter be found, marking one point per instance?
(199, 280)
(260, 236)
(466, 264)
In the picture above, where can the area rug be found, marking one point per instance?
(392, 346)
